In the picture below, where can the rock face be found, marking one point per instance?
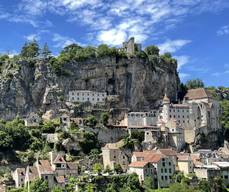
(138, 83)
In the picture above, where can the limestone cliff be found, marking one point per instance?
(27, 86)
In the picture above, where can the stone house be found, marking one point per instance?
(143, 169)
(185, 163)
(224, 170)
(65, 121)
(83, 96)
(207, 171)
(19, 177)
(164, 166)
(32, 120)
(114, 155)
(54, 171)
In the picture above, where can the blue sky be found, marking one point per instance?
(196, 32)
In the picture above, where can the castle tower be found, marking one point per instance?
(165, 109)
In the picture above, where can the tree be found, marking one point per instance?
(97, 168)
(30, 50)
(204, 186)
(195, 83)
(104, 118)
(91, 120)
(57, 189)
(45, 52)
(152, 50)
(6, 141)
(148, 184)
(39, 185)
(90, 187)
(118, 168)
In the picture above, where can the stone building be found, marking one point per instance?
(198, 114)
(114, 155)
(19, 177)
(143, 169)
(164, 166)
(83, 96)
(54, 171)
(185, 163)
(32, 120)
(130, 47)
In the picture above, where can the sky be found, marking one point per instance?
(196, 32)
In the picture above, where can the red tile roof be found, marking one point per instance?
(60, 179)
(149, 156)
(139, 164)
(32, 173)
(45, 167)
(167, 152)
(183, 157)
(199, 93)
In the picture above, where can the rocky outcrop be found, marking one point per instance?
(33, 86)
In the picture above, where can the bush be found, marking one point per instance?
(104, 117)
(152, 50)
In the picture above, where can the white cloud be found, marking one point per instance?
(32, 7)
(172, 45)
(112, 37)
(224, 30)
(32, 37)
(62, 41)
(182, 60)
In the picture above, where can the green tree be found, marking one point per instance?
(57, 189)
(104, 50)
(6, 141)
(90, 187)
(30, 50)
(148, 184)
(118, 168)
(104, 117)
(195, 83)
(45, 52)
(91, 120)
(39, 185)
(204, 186)
(97, 168)
(152, 50)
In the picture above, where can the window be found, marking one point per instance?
(46, 177)
(225, 176)
(162, 177)
(97, 99)
(169, 163)
(163, 164)
(166, 177)
(114, 157)
(161, 170)
(165, 170)
(170, 170)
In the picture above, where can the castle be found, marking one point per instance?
(198, 114)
